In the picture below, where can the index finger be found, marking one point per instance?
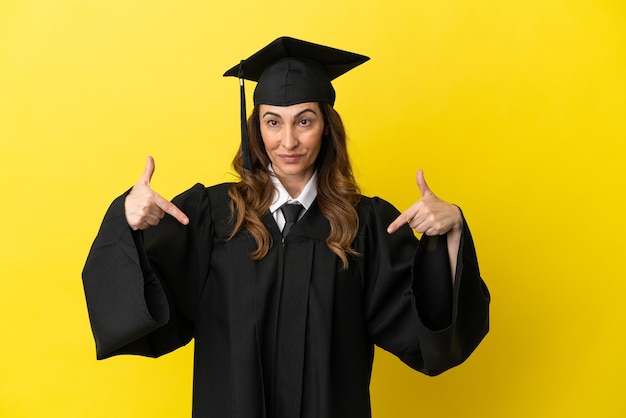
(171, 209)
(404, 218)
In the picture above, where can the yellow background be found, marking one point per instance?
(515, 109)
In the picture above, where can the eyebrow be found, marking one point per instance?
(300, 113)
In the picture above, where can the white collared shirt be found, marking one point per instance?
(281, 196)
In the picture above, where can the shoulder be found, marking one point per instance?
(211, 206)
(212, 201)
(375, 215)
(376, 208)
(198, 192)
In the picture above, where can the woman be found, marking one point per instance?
(285, 309)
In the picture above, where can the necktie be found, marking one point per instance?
(291, 213)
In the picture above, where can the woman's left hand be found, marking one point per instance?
(429, 215)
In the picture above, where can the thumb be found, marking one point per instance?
(421, 183)
(146, 176)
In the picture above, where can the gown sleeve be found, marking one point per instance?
(412, 309)
(140, 287)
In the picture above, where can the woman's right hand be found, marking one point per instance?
(145, 208)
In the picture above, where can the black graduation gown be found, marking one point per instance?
(291, 335)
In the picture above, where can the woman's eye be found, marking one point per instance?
(272, 122)
(305, 122)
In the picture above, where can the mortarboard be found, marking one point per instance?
(289, 71)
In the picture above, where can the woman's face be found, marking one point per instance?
(293, 137)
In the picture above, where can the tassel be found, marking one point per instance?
(245, 145)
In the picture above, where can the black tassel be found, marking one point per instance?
(245, 145)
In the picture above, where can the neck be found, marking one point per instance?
(294, 184)
(294, 187)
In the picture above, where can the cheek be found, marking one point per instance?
(315, 144)
(319, 137)
(266, 139)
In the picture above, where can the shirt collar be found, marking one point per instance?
(281, 196)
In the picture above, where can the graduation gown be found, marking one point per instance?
(293, 334)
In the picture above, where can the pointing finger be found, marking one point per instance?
(171, 209)
(404, 218)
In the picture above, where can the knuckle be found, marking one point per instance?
(169, 207)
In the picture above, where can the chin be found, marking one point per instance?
(291, 170)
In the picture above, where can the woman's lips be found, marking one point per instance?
(291, 158)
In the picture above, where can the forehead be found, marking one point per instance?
(293, 110)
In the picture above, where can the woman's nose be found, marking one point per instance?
(290, 140)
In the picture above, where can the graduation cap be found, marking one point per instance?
(289, 71)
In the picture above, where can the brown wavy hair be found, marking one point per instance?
(337, 190)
